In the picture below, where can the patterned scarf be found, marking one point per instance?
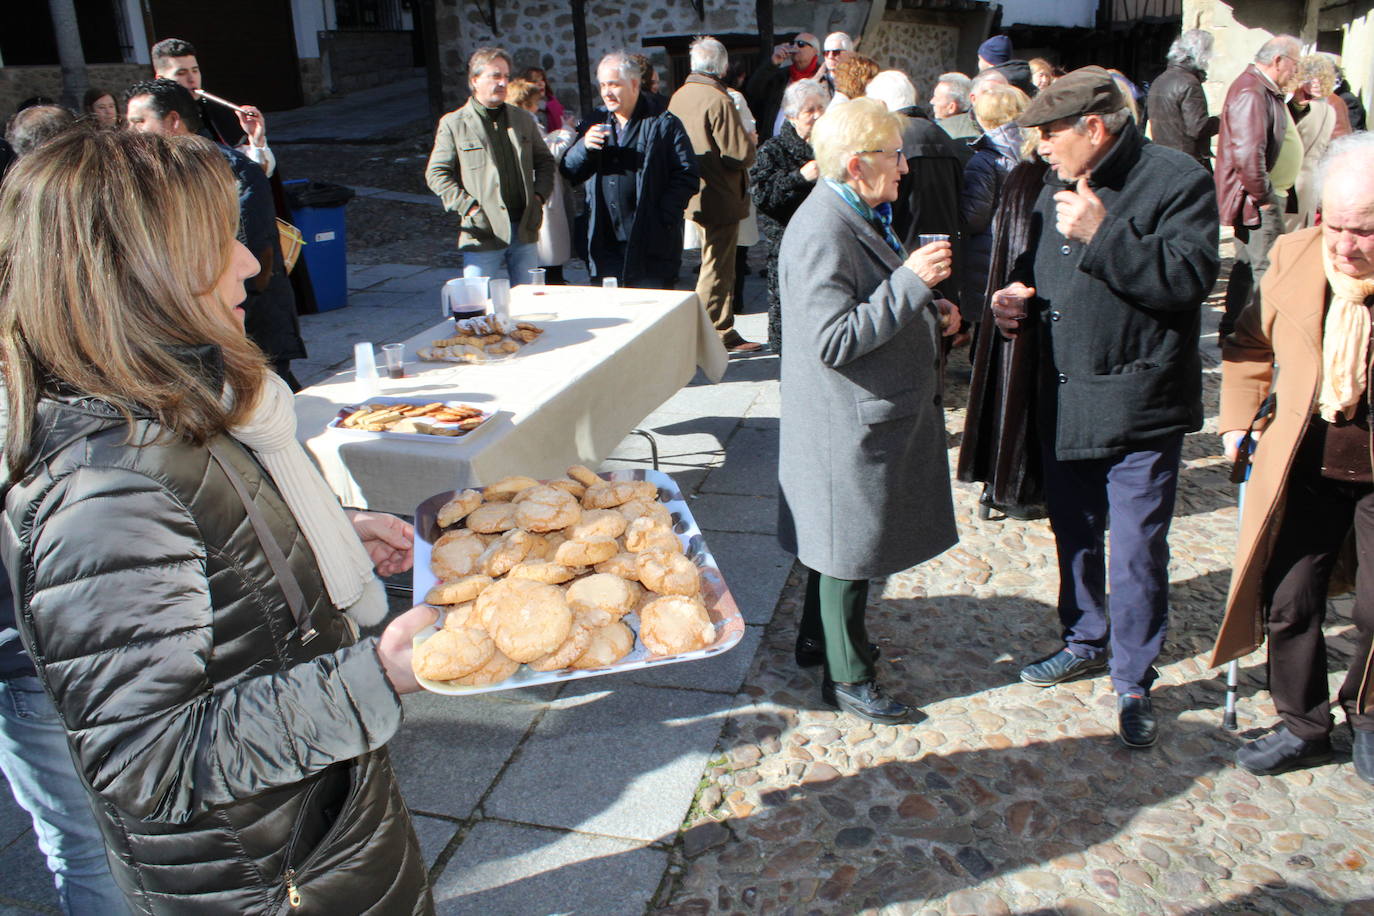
(1345, 344)
(879, 217)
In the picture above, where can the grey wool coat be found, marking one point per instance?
(862, 467)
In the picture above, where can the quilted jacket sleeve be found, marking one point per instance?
(123, 619)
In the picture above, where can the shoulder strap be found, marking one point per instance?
(286, 579)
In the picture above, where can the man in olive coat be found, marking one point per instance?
(724, 151)
(1125, 254)
(490, 165)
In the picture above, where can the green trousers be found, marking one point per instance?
(833, 614)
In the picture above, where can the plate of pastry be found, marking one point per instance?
(546, 581)
(410, 419)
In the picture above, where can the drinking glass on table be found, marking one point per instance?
(609, 283)
(395, 354)
(537, 280)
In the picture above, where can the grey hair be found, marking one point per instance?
(1114, 121)
(796, 95)
(958, 85)
(1277, 47)
(842, 41)
(627, 65)
(990, 75)
(1192, 49)
(893, 88)
(707, 55)
(1360, 143)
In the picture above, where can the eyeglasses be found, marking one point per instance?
(834, 52)
(894, 153)
(803, 44)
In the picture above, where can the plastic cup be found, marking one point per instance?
(924, 240)
(365, 365)
(609, 283)
(395, 355)
(499, 288)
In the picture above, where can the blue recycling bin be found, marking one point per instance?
(317, 210)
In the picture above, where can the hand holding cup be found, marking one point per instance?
(931, 262)
(1009, 307)
(596, 135)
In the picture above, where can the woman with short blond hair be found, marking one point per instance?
(191, 589)
(1316, 121)
(862, 469)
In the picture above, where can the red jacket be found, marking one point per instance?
(1248, 143)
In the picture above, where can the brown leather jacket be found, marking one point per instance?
(1252, 128)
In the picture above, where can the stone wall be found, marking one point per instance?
(312, 80)
(361, 60)
(921, 50)
(20, 83)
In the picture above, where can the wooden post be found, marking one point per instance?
(763, 14)
(585, 96)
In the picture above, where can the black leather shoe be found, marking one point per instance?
(1362, 751)
(1281, 751)
(1135, 721)
(865, 700)
(1059, 667)
(811, 652)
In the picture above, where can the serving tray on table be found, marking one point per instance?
(720, 604)
(336, 424)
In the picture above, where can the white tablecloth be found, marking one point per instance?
(606, 360)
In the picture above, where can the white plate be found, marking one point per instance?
(720, 604)
(336, 424)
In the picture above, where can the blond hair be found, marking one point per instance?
(523, 94)
(849, 128)
(998, 104)
(111, 244)
(1318, 67)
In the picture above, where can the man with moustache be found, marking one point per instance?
(1259, 155)
(1123, 255)
(640, 171)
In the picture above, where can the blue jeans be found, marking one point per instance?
(513, 263)
(1136, 492)
(38, 764)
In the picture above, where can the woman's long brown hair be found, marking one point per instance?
(111, 243)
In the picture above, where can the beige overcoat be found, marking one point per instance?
(1283, 329)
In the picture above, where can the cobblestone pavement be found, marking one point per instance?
(1006, 798)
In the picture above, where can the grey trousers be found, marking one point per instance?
(1252, 260)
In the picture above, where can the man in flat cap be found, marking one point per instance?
(1125, 253)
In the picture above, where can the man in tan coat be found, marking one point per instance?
(1312, 482)
(490, 165)
(724, 153)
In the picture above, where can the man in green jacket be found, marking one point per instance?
(490, 165)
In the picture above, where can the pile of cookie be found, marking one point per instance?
(544, 575)
(481, 339)
(433, 419)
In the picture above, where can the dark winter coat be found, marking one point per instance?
(667, 178)
(778, 189)
(928, 194)
(228, 758)
(995, 154)
(1178, 112)
(1121, 315)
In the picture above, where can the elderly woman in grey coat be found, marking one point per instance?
(862, 469)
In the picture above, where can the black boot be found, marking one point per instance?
(865, 700)
(1281, 751)
(1362, 751)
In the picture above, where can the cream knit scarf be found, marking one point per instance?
(1345, 344)
(343, 562)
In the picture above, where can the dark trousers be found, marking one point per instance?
(608, 254)
(1318, 516)
(833, 613)
(1252, 260)
(1136, 492)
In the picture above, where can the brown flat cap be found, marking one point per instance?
(1088, 90)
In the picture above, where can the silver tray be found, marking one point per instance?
(336, 424)
(720, 604)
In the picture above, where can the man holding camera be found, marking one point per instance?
(795, 60)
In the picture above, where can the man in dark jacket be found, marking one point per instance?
(797, 60)
(1250, 147)
(164, 107)
(1124, 255)
(1177, 105)
(640, 171)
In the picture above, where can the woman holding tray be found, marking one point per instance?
(862, 466)
(186, 586)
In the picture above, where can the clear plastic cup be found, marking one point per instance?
(365, 366)
(537, 280)
(927, 239)
(609, 283)
(395, 354)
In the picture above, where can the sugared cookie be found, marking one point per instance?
(623, 565)
(462, 615)
(583, 475)
(644, 534)
(651, 508)
(586, 552)
(673, 624)
(606, 523)
(579, 637)
(668, 573)
(602, 598)
(458, 590)
(490, 518)
(570, 486)
(531, 622)
(608, 645)
(511, 548)
(505, 489)
(457, 508)
(546, 509)
(496, 670)
(455, 554)
(607, 494)
(541, 571)
(452, 653)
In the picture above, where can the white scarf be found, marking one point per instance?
(1345, 344)
(339, 553)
